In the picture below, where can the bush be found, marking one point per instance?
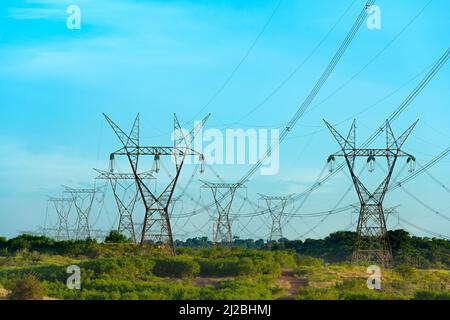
(236, 290)
(116, 237)
(431, 295)
(227, 267)
(309, 261)
(303, 271)
(317, 294)
(353, 285)
(27, 288)
(178, 267)
(405, 270)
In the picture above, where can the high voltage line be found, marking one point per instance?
(315, 90)
(303, 108)
(313, 93)
(440, 62)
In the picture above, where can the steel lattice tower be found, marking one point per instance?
(223, 194)
(276, 205)
(62, 207)
(372, 243)
(156, 226)
(83, 200)
(126, 195)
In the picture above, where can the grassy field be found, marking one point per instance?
(123, 271)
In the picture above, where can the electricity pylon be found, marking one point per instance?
(372, 243)
(83, 200)
(223, 194)
(62, 207)
(392, 211)
(277, 209)
(156, 227)
(126, 195)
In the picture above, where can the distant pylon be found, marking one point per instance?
(62, 207)
(276, 205)
(372, 243)
(156, 226)
(223, 194)
(126, 194)
(392, 211)
(83, 200)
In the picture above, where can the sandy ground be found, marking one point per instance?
(3, 293)
(290, 283)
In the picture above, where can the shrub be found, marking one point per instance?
(178, 267)
(284, 259)
(317, 294)
(236, 290)
(431, 295)
(130, 296)
(303, 271)
(227, 267)
(116, 237)
(405, 270)
(27, 288)
(352, 284)
(309, 261)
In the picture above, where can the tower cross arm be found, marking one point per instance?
(276, 198)
(107, 175)
(156, 150)
(220, 185)
(54, 199)
(76, 191)
(371, 152)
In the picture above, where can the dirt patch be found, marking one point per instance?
(290, 283)
(207, 281)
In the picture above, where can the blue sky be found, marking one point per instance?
(161, 57)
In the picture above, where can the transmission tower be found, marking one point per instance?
(83, 200)
(223, 194)
(372, 243)
(126, 195)
(156, 227)
(276, 205)
(392, 211)
(62, 207)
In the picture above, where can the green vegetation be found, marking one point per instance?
(33, 267)
(116, 237)
(176, 267)
(27, 287)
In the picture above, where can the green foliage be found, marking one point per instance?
(238, 290)
(431, 295)
(27, 287)
(119, 270)
(304, 271)
(405, 271)
(116, 237)
(317, 294)
(176, 267)
(309, 261)
(286, 259)
(238, 266)
(337, 247)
